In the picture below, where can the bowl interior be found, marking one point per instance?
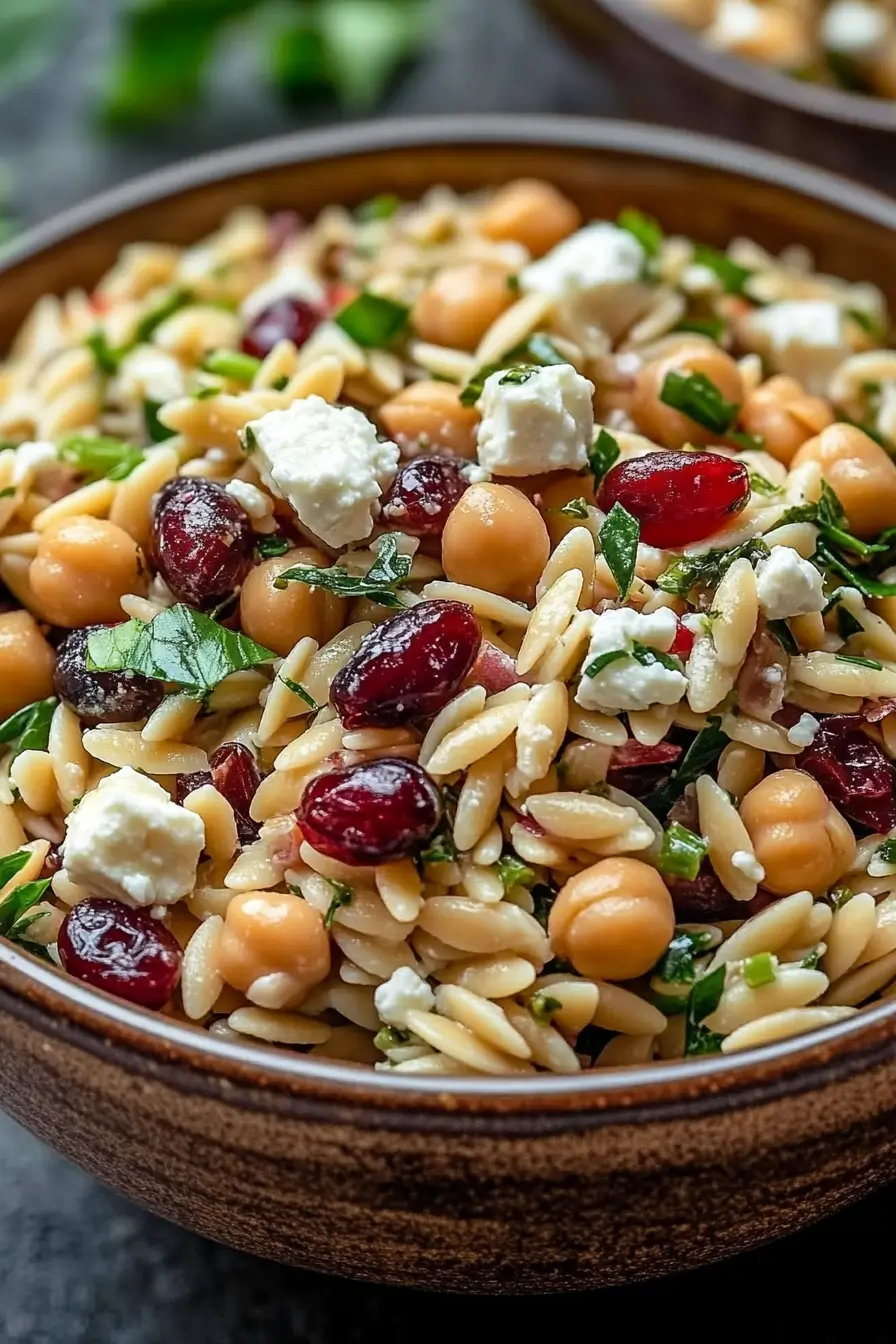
(696, 186)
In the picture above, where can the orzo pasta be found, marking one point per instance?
(455, 638)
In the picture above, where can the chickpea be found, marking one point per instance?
(799, 837)
(496, 539)
(859, 471)
(26, 662)
(83, 568)
(780, 37)
(559, 491)
(279, 617)
(614, 920)
(429, 415)
(783, 414)
(460, 305)
(669, 427)
(530, 212)
(268, 932)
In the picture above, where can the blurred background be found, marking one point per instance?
(93, 92)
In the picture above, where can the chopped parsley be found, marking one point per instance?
(732, 276)
(379, 207)
(602, 455)
(784, 635)
(542, 1006)
(682, 852)
(885, 852)
(762, 485)
(676, 965)
(703, 1000)
(171, 304)
(643, 227)
(266, 547)
(603, 660)
(703, 752)
(342, 895)
(574, 508)
(156, 432)
(538, 351)
(513, 872)
(707, 570)
(372, 320)
(386, 575)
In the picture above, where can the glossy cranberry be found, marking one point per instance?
(371, 812)
(409, 667)
(853, 771)
(101, 697)
(126, 952)
(683, 642)
(678, 498)
(705, 899)
(234, 773)
(202, 540)
(493, 669)
(423, 494)
(283, 320)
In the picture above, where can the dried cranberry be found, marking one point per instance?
(236, 775)
(678, 498)
(283, 320)
(705, 900)
(101, 697)
(124, 951)
(493, 669)
(371, 812)
(873, 711)
(853, 771)
(423, 494)
(409, 667)
(202, 540)
(635, 754)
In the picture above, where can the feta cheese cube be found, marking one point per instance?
(404, 990)
(805, 338)
(594, 277)
(788, 585)
(625, 684)
(128, 840)
(328, 463)
(535, 419)
(291, 282)
(150, 374)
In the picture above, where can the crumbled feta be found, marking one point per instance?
(595, 276)
(855, 28)
(292, 282)
(256, 503)
(405, 990)
(328, 463)
(475, 474)
(30, 458)
(626, 684)
(747, 864)
(802, 734)
(539, 419)
(804, 338)
(127, 839)
(151, 374)
(788, 585)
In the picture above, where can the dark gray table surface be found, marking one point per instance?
(78, 1264)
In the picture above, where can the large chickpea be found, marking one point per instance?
(614, 920)
(83, 568)
(495, 538)
(799, 837)
(530, 212)
(429, 415)
(269, 933)
(860, 473)
(660, 422)
(279, 617)
(783, 414)
(460, 305)
(560, 490)
(26, 662)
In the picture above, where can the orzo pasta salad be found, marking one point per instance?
(454, 638)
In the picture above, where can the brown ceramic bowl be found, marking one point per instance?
(474, 1184)
(665, 74)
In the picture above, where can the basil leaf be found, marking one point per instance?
(784, 635)
(372, 320)
(383, 206)
(602, 455)
(96, 456)
(862, 662)
(342, 895)
(11, 864)
(697, 397)
(713, 327)
(513, 872)
(387, 573)
(171, 304)
(703, 752)
(644, 228)
(619, 541)
(703, 1000)
(759, 970)
(233, 364)
(29, 728)
(603, 660)
(732, 276)
(542, 1007)
(706, 570)
(682, 852)
(180, 645)
(266, 547)
(18, 902)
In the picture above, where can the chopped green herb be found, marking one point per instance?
(11, 864)
(644, 228)
(517, 376)
(156, 432)
(759, 970)
(233, 364)
(676, 965)
(29, 728)
(513, 284)
(784, 635)
(342, 895)
(603, 660)
(180, 645)
(513, 872)
(7, 492)
(646, 656)
(704, 999)
(886, 852)
(713, 327)
(538, 350)
(847, 624)
(866, 584)
(390, 1038)
(697, 397)
(762, 485)
(602, 455)
(682, 852)
(732, 276)
(171, 304)
(441, 848)
(96, 455)
(619, 541)
(300, 692)
(706, 571)
(542, 1006)
(870, 325)
(703, 752)
(811, 960)
(13, 910)
(107, 359)
(862, 662)
(543, 898)
(574, 508)
(206, 393)
(266, 547)
(839, 896)
(372, 320)
(383, 206)
(386, 575)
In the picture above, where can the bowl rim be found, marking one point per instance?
(194, 1061)
(750, 77)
